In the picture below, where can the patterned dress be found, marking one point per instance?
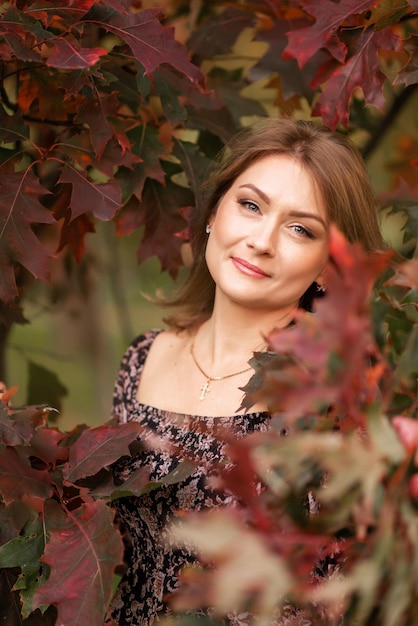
(154, 565)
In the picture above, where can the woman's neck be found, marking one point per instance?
(228, 339)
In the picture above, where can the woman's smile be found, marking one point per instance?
(270, 224)
(247, 268)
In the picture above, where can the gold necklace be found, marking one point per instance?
(210, 379)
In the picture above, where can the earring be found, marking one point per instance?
(208, 229)
(321, 288)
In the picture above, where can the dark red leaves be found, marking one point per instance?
(151, 43)
(362, 69)
(98, 448)
(103, 200)
(68, 55)
(31, 482)
(305, 42)
(20, 209)
(332, 353)
(80, 587)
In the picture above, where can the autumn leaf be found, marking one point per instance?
(101, 199)
(13, 127)
(151, 43)
(406, 275)
(329, 16)
(362, 69)
(36, 483)
(159, 211)
(82, 554)
(46, 445)
(20, 33)
(149, 150)
(99, 447)
(73, 231)
(13, 433)
(222, 539)
(408, 74)
(96, 113)
(19, 210)
(335, 344)
(71, 56)
(68, 11)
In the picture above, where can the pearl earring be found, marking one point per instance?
(208, 229)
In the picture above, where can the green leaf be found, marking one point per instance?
(25, 552)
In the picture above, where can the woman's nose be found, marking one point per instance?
(263, 239)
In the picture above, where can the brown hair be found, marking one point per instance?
(338, 171)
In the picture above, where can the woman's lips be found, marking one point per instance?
(248, 269)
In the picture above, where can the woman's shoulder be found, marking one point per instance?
(160, 340)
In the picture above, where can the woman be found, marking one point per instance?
(260, 250)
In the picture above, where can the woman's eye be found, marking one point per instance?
(301, 230)
(251, 206)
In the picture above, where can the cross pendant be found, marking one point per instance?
(204, 390)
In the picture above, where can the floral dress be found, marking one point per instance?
(154, 565)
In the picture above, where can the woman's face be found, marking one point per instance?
(269, 237)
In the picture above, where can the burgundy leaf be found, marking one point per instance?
(101, 199)
(151, 43)
(99, 447)
(361, 70)
(82, 555)
(329, 15)
(18, 479)
(19, 209)
(70, 56)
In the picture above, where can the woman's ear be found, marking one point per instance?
(320, 280)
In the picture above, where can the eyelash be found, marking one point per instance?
(304, 231)
(249, 203)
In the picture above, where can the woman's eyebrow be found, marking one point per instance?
(292, 212)
(308, 214)
(258, 191)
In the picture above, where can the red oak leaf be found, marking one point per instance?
(330, 351)
(151, 43)
(159, 211)
(45, 445)
(73, 232)
(13, 433)
(361, 70)
(148, 147)
(305, 42)
(18, 479)
(101, 199)
(406, 275)
(16, 46)
(95, 114)
(408, 74)
(82, 555)
(68, 10)
(99, 447)
(70, 56)
(19, 209)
